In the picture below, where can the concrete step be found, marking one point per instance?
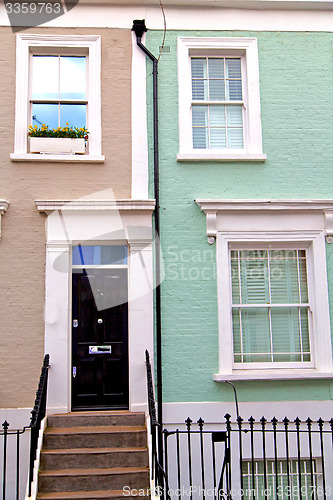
(83, 458)
(93, 479)
(81, 419)
(95, 437)
(92, 495)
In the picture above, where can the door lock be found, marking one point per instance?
(74, 371)
(75, 323)
(99, 321)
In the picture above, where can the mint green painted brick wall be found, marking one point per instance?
(296, 86)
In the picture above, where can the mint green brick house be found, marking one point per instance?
(246, 204)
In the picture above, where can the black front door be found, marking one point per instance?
(100, 339)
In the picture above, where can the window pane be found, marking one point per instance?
(72, 77)
(73, 114)
(233, 69)
(217, 138)
(234, 116)
(200, 116)
(46, 114)
(234, 90)
(255, 332)
(199, 67)
(235, 278)
(200, 138)
(216, 68)
(254, 274)
(305, 331)
(199, 79)
(284, 277)
(216, 90)
(99, 255)
(237, 333)
(286, 332)
(217, 116)
(235, 138)
(234, 79)
(200, 132)
(45, 77)
(303, 277)
(199, 90)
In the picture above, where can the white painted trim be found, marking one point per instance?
(103, 221)
(264, 204)
(221, 157)
(246, 48)
(50, 158)
(3, 207)
(256, 4)
(213, 412)
(251, 223)
(272, 375)
(139, 119)
(25, 43)
(280, 16)
(48, 206)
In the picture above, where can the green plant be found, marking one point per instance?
(66, 132)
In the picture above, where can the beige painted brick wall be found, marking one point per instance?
(22, 248)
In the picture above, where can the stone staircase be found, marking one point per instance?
(93, 455)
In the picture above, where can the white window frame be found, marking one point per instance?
(260, 223)
(320, 344)
(247, 49)
(26, 45)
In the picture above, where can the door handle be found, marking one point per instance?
(100, 349)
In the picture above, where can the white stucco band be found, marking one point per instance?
(106, 221)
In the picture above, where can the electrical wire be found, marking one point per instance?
(164, 35)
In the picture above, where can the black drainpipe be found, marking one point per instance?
(139, 28)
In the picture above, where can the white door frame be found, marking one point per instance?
(101, 221)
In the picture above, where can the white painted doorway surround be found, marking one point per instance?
(97, 221)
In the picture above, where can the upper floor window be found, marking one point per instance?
(58, 84)
(59, 91)
(219, 101)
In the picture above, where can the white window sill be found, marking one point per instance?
(31, 157)
(271, 375)
(259, 157)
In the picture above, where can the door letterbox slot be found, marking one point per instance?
(99, 349)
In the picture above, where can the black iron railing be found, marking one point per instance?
(12, 442)
(37, 414)
(252, 460)
(158, 475)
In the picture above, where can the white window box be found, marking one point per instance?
(57, 145)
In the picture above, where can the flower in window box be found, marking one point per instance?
(61, 140)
